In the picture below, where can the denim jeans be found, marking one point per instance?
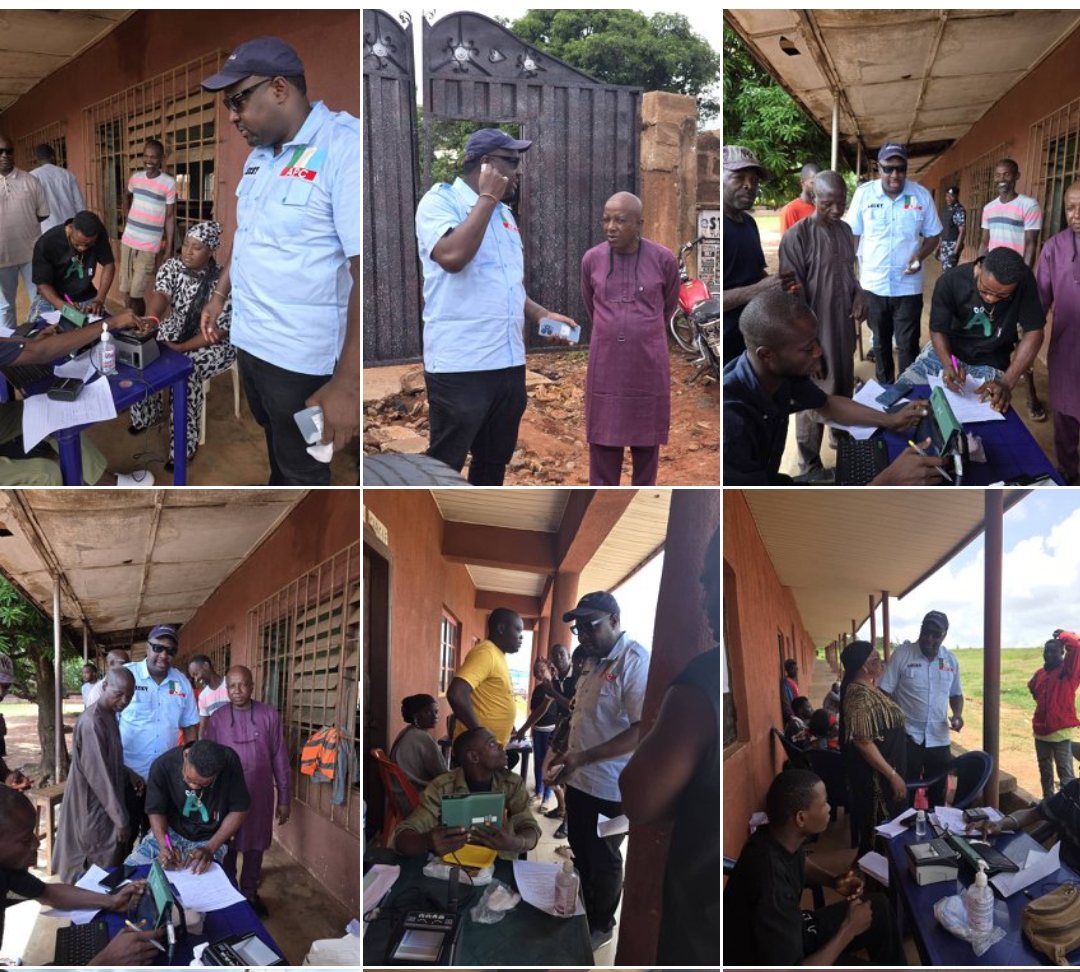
(148, 849)
(9, 287)
(1049, 755)
(928, 363)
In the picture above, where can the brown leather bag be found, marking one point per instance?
(1052, 923)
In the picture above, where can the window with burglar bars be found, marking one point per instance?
(172, 108)
(1053, 164)
(977, 189)
(307, 639)
(449, 638)
(53, 135)
(218, 648)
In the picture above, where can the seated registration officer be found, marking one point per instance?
(770, 381)
(763, 893)
(481, 769)
(974, 317)
(65, 260)
(19, 844)
(196, 799)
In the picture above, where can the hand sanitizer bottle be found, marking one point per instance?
(566, 889)
(108, 352)
(980, 902)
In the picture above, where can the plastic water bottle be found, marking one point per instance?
(980, 903)
(108, 352)
(920, 823)
(566, 889)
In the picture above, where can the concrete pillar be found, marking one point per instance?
(540, 636)
(681, 633)
(59, 676)
(564, 597)
(873, 623)
(835, 131)
(668, 167)
(994, 533)
(885, 634)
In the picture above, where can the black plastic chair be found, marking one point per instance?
(796, 756)
(829, 765)
(972, 774)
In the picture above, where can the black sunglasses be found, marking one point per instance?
(235, 102)
(7, 151)
(169, 650)
(890, 169)
(511, 160)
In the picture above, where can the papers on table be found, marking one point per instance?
(42, 416)
(967, 407)
(90, 881)
(210, 891)
(1036, 870)
(536, 883)
(53, 317)
(876, 866)
(612, 826)
(952, 819)
(867, 395)
(377, 882)
(895, 827)
(81, 367)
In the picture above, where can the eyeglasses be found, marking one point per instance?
(7, 151)
(511, 160)
(890, 169)
(576, 629)
(235, 102)
(169, 650)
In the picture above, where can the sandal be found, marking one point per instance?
(1035, 411)
(555, 813)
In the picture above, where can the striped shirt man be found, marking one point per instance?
(1008, 221)
(146, 218)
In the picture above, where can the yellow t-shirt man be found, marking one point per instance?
(485, 669)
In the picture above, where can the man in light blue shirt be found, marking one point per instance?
(888, 217)
(163, 704)
(476, 309)
(295, 270)
(924, 679)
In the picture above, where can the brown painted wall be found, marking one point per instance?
(322, 524)
(755, 609)
(151, 42)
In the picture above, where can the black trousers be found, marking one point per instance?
(598, 859)
(138, 821)
(274, 396)
(881, 940)
(890, 317)
(477, 412)
(926, 761)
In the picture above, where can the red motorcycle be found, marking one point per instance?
(697, 324)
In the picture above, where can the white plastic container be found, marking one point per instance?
(566, 889)
(980, 902)
(920, 823)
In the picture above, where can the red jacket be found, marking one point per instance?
(1055, 692)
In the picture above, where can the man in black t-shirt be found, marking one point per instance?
(762, 896)
(65, 259)
(974, 317)
(196, 799)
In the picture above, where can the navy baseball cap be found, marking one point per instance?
(936, 619)
(892, 150)
(269, 56)
(487, 140)
(164, 631)
(598, 602)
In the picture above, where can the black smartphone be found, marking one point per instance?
(975, 815)
(892, 395)
(113, 880)
(65, 389)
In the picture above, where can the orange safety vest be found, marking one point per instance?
(319, 754)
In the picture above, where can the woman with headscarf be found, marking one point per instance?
(872, 740)
(181, 290)
(414, 750)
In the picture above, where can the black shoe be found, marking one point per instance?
(560, 833)
(258, 907)
(555, 813)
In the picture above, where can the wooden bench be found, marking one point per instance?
(47, 799)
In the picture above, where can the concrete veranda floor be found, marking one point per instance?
(234, 453)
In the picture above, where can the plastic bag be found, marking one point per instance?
(437, 868)
(951, 913)
(494, 903)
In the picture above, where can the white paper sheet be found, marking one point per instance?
(377, 882)
(81, 367)
(536, 883)
(210, 891)
(867, 395)
(612, 826)
(953, 819)
(51, 317)
(894, 827)
(967, 407)
(42, 416)
(90, 881)
(876, 866)
(6, 331)
(1039, 870)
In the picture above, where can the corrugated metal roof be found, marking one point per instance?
(920, 77)
(834, 547)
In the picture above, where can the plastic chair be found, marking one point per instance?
(206, 394)
(829, 765)
(389, 772)
(972, 774)
(797, 756)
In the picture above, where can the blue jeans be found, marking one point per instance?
(148, 848)
(9, 288)
(928, 363)
(541, 742)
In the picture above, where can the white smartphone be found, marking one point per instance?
(485, 167)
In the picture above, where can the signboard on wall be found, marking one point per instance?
(708, 254)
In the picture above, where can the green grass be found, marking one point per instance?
(768, 222)
(1017, 667)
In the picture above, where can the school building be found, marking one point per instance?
(802, 573)
(96, 84)
(266, 578)
(437, 562)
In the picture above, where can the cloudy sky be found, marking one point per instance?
(1041, 580)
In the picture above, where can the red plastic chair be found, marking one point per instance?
(388, 771)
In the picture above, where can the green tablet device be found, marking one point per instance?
(473, 810)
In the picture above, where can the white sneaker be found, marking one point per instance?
(140, 479)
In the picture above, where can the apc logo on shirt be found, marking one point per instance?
(305, 163)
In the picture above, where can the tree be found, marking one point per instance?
(761, 115)
(657, 53)
(26, 636)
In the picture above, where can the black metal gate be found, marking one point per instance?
(584, 133)
(392, 283)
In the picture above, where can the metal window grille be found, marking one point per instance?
(977, 186)
(1053, 164)
(449, 639)
(218, 648)
(307, 650)
(172, 108)
(52, 134)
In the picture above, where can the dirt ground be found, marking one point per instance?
(551, 441)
